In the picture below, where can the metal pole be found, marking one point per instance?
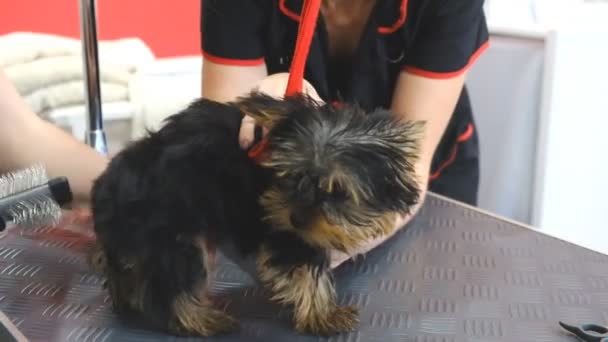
(95, 135)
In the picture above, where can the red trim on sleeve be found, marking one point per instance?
(445, 75)
(287, 11)
(233, 61)
(462, 138)
(397, 24)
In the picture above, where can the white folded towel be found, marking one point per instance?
(48, 69)
(23, 47)
(69, 94)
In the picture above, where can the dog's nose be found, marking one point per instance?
(298, 220)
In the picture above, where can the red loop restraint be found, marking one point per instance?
(295, 83)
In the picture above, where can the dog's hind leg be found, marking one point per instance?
(168, 288)
(193, 312)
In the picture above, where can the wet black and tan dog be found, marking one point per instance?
(334, 178)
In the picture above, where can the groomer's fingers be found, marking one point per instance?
(311, 91)
(275, 85)
(247, 132)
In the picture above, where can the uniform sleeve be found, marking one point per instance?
(232, 31)
(454, 34)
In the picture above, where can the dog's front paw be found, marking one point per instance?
(340, 319)
(205, 323)
(345, 318)
(219, 322)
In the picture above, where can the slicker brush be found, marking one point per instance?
(28, 198)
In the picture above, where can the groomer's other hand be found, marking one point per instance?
(275, 86)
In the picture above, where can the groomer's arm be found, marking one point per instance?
(221, 82)
(448, 43)
(26, 139)
(429, 100)
(226, 82)
(233, 51)
(425, 99)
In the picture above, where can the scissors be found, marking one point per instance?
(582, 332)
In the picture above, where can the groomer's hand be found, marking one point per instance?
(275, 86)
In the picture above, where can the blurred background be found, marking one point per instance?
(539, 93)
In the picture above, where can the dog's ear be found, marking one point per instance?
(266, 110)
(390, 131)
(409, 138)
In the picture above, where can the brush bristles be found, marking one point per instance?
(34, 212)
(20, 180)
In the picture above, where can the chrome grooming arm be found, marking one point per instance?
(95, 135)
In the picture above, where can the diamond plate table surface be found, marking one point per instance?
(455, 274)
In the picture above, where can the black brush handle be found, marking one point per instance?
(61, 191)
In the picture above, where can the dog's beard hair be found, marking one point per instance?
(343, 232)
(353, 217)
(342, 235)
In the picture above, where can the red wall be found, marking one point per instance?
(169, 27)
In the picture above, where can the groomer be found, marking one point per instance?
(409, 56)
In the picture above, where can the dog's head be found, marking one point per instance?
(341, 174)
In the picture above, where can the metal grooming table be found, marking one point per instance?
(455, 274)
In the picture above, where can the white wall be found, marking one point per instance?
(542, 94)
(505, 87)
(572, 178)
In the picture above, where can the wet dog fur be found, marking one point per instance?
(333, 179)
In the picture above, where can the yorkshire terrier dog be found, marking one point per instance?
(334, 178)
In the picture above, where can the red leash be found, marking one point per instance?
(310, 13)
(295, 83)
